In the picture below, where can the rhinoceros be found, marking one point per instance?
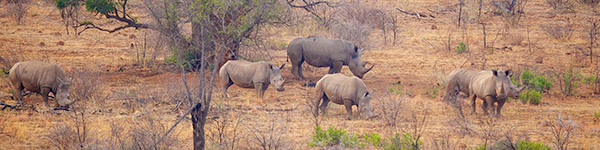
(42, 78)
(256, 75)
(323, 52)
(343, 90)
(489, 85)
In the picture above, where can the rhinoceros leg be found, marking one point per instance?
(337, 67)
(499, 108)
(488, 100)
(45, 91)
(473, 100)
(318, 96)
(348, 105)
(324, 104)
(226, 84)
(297, 66)
(260, 89)
(17, 94)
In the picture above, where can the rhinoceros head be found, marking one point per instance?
(62, 93)
(504, 86)
(364, 105)
(275, 77)
(357, 66)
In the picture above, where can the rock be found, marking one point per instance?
(433, 27)
(42, 44)
(539, 60)
(60, 43)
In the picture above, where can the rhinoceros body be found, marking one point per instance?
(256, 75)
(42, 78)
(343, 90)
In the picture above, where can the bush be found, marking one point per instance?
(332, 137)
(531, 145)
(560, 4)
(461, 48)
(537, 82)
(372, 138)
(559, 32)
(569, 81)
(433, 93)
(405, 142)
(590, 79)
(531, 96)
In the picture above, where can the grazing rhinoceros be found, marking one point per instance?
(256, 75)
(323, 52)
(343, 90)
(42, 78)
(489, 85)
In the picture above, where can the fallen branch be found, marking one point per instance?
(419, 15)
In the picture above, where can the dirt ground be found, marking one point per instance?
(417, 64)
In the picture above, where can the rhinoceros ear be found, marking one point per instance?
(281, 67)
(495, 72)
(508, 73)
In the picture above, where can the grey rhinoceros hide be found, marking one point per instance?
(343, 90)
(257, 75)
(323, 52)
(42, 78)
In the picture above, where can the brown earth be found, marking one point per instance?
(417, 64)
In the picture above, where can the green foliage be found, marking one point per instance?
(3, 72)
(480, 147)
(531, 96)
(461, 48)
(62, 4)
(332, 137)
(590, 79)
(597, 115)
(570, 80)
(405, 142)
(535, 81)
(531, 145)
(514, 81)
(372, 138)
(433, 93)
(100, 6)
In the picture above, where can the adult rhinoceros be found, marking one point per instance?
(42, 78)
(323, 52)
(491, 86)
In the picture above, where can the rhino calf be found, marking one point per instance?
(42, 78)
(343, 90)
(257, 75)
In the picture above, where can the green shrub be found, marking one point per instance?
(531, 145)
(3, 72)
(461, 48)
(597, 115)
(332, 137)
(590, 79)
(404, 142)
(480, 147)
(535, 81)
(531, 96)
(570, 80)
(372, 138)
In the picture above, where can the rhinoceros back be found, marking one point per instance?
(321, 52)
(34, 75)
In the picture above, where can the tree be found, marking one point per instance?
(111, 9)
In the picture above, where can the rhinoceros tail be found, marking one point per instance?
(452, 88)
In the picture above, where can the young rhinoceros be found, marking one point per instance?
(40, 77)
(343, 90)
(256, 75)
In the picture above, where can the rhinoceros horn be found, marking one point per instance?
(367, 70)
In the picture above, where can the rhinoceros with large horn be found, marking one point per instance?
(343, 90)
(247, 74)
(42, 78)
(323, 52)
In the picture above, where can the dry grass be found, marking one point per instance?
(409, 63)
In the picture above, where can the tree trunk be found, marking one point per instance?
(198, 120)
